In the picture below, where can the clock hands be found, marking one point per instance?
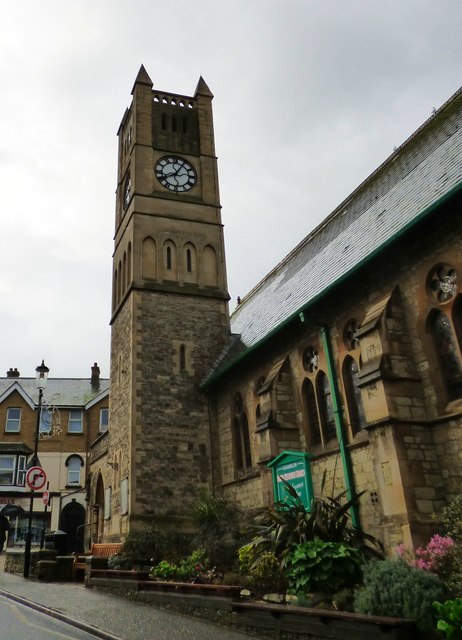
(175, 174)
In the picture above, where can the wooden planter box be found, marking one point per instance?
(222, 604)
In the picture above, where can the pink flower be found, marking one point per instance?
(427, 558)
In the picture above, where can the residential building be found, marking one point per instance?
(74, 413)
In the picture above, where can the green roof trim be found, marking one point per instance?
(455, 190)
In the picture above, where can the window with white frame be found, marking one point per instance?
(103, 420)
(74, 467)
(13, 420)
(21, 474)
(7, 469)
(75, 424)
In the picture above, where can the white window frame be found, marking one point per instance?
(21, 471)
(13, 425)
(74, 469)
(6, 469)
(75, 423)
(103, 423)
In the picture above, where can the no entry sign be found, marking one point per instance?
(36, 478)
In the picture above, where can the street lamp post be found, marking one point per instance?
(41, 374)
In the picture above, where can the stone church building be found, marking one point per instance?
(348, 354)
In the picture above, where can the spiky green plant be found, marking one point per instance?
(289, 522)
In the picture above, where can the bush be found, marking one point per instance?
(393, 588)
(219, 529)
(451, 571)
(327, 567)
(289, 522)
(261, 573)
(449, 616)
(145, 546)
(451, 517)
(185, 569)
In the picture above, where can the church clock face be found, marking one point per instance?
(175, 174)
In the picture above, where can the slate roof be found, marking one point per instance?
(61, 392)
(424, 170)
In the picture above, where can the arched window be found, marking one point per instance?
(114, 293)
(74, 466)
(189, 263)
(209, 267)
(326, 409)
(448, 354)
(129, 263)
(309, 398)
(149, 258)
(243, 455)
(353, 395)
(124, 273)
(119, 286)
(182, 357)
(170, 261)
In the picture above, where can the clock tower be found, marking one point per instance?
(169, 319)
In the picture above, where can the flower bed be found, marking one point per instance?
(222, 604)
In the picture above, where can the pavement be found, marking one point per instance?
(108, 616)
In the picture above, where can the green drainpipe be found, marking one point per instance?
(339, 426)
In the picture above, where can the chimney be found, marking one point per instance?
(12, 373)
(95, 375)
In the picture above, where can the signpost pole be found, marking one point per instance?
(41, 374)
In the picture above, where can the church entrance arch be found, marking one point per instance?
(71, 522)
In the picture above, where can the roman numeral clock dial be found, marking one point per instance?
(175, 174)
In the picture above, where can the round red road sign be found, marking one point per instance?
(36, 478)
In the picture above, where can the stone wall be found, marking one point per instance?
(408, 457)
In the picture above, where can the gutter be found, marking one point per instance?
(339, 424)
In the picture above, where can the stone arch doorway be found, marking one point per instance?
(98, 511)
(71, 522)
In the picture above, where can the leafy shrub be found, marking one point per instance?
(145, 545)
(322, 566)
(262, 573)
(451, 517)
(185, 569)
(165, 570)
(219, 528)
(449, 616)
(289, 523)
(451, 571)
(393, 588)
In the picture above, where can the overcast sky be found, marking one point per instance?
(310, 97)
